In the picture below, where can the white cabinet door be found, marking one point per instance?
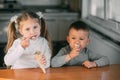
(63, 26)
(58, 24)
(58, 28)
(3, 31)
(106, 47)
(52, 29)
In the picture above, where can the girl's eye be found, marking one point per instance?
(35, 27)
(27, 29)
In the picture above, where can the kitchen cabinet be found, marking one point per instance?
(58, 24)
(4, 19)
(101, 45)
(3, 29)
(63, 26)
(40, 2)
(58, 29)
(2, 54)
(52, 28)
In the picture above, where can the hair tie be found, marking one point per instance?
(14, 19)
(40, 14)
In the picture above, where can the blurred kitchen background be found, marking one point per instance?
(59, 14)
(100, 15)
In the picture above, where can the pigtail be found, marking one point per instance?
(11, 34)
(44, 32)
(43, 29)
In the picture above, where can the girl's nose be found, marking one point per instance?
(32, 31)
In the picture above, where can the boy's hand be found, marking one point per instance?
(75, 51)
(89, 64)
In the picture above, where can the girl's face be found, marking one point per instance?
(30, 28)
(78, 37)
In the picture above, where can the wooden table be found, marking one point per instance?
(111, 72)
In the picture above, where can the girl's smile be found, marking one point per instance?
(33, 37)
(30, 28)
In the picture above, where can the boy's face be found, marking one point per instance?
(79, 37)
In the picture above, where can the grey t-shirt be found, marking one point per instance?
(85, 54)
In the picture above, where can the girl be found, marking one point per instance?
(27, 34)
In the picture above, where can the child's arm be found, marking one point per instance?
(63, 57)
(99, 59)
(89, 64)
(59, 59)
(14, 53)
(71, 55)
(75, 52)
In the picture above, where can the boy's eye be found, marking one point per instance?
(73, 38)
(81, 39)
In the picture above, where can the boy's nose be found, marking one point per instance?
(77, 42)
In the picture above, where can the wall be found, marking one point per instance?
(101, 45)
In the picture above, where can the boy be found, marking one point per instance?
(76, 52)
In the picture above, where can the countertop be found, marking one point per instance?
(63, 73)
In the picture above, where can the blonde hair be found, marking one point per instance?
(13, 31)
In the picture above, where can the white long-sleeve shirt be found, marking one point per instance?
(17, 57)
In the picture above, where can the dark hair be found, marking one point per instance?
(79, 25)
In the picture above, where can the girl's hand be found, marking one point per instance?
(25, 42)
(89, 64)
(43, 60)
